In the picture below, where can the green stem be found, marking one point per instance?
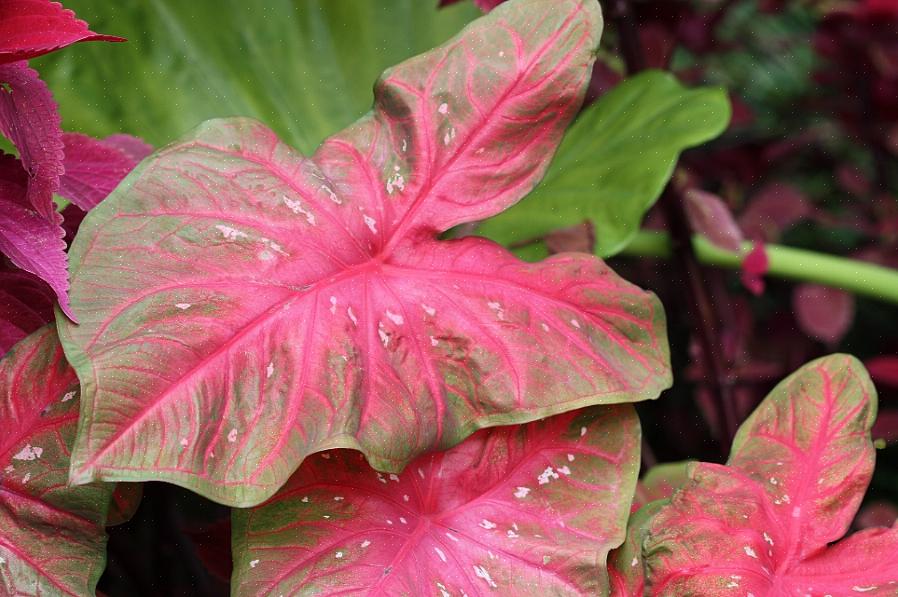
(852, 275)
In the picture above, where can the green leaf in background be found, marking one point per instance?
(615, 160)
(304, 67)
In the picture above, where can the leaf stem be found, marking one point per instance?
(859, 277)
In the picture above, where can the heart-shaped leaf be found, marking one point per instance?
(764, 523)
(615, 161)
(51, 536)
(257, 306)
(520, 510)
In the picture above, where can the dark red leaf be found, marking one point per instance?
(94, 167)
(822, 312)
(709, 216)
(772, 210)
(30, 119)
(884, 370)
(30, 28)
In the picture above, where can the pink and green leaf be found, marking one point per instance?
(660, 482)
(30, 28)
(51, 536)
(258, 306)
(765, 523)
(517, 510)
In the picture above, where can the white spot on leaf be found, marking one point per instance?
(68, 396)
(254, 563)
(29, 453)
(547, 475)
(521, 492)
(230, 233)
(269, 370)
(444, 108)
(365, 544)
(749, 552)
(487, 524)
(352, 316)
(482, 572)
(296, 207)
(429, 310)
(232, 436)
(440, 553)
(371, 223)
(183, 306)
(395, 317)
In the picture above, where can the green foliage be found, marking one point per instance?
(615, 160)
(304, 67)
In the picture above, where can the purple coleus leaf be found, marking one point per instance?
(516, 510)
(52, 540)
(30, 28)
(30, 119)
(93, 167)
(26, 303)
(258, 306)
(766, 523)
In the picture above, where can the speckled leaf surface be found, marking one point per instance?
(763, 524)
(660, 482)
(521, 510)
(51, 536)
(615, 160)
(243, 306)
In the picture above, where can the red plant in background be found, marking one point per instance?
(76, 167)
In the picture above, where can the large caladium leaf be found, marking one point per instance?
(764, 523)
(30, 28)
(615, 161)
(520, 510)
(51, 536)
(257, 306)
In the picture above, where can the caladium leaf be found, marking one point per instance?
(626, 568)
(660, 482)
(30, 28)
(258, 306)
(93, 167)
(764, 523)
(51, 536)
(515, 510)
(615, 160)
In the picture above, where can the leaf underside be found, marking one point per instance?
(52, 540)
(771, 522)
(521, 510)
(243, 306)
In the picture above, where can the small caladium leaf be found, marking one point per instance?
(764, 523)
(660, 482)
(94, 167)
(29, 118)
(51, 536)
(258, 306)
(30, 28)
(514, 510)
(615, 160)
(626, 568)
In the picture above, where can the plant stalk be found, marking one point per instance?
(859, 277)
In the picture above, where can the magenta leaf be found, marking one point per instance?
(258, 306)
(709, 216)
(30, 119)
(764, 523)
(51, 536)
(520, 510)
(30, 28)
(823, 313)
(94, 167)
(26, 303)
